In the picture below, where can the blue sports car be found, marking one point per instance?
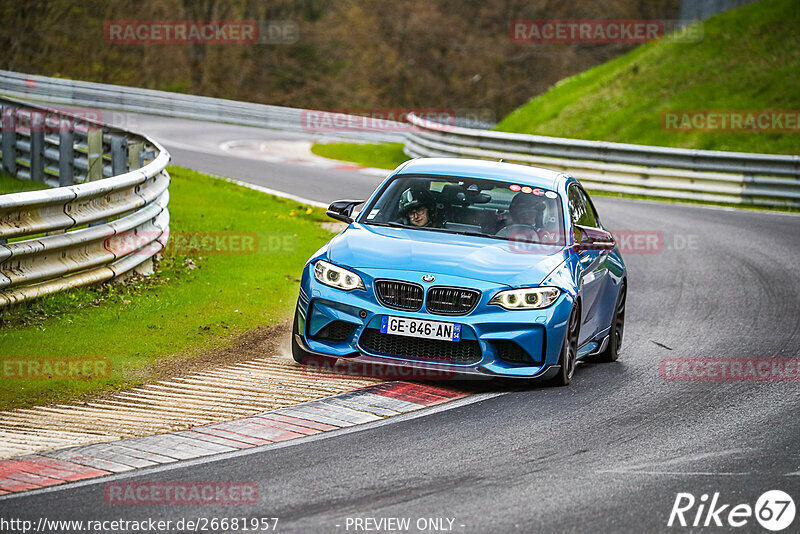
(470, 267)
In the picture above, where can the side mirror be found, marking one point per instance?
(590, 238)
(341, 210)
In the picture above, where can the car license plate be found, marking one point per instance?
(403, 326)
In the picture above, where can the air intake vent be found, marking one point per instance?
(335, 331)
(510, 351)
(464, 352)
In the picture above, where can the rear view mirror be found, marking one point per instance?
(341, 210)
(481, 198)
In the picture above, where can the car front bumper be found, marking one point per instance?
(539, 333)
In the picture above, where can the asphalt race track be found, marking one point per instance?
(196, 145)
(609, 453)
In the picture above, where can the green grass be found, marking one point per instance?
(181, 311)
(748, 59)
(9, 184)
(379, 155)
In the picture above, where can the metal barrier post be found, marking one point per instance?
(37, 147)
(66, 150)
(134, 149)
(145, 157)
(119, 156)
(94, 143)
(9, 141)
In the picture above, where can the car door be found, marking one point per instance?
(607, 289)
(592, 271)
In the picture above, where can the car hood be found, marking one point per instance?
(481, 258)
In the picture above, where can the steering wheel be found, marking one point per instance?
(546, 237)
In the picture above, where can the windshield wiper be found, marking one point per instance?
(469, 233)
(476, 234)
(390, 224)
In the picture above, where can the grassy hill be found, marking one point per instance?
(748, 59)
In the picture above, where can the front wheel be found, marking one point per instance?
(569, 351)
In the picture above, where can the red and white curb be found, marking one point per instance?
(364, 405)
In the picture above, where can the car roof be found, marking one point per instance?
(478, 168)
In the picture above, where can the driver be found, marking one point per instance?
(417, 206)
(527, 213)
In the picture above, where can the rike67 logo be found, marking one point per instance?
(774, 510)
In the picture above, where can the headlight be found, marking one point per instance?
(334, 276)
(531, 298)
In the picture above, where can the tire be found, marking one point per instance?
(569, 351)
(617, 329)
(300, 356)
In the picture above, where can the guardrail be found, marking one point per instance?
(118, 97)
(674, 173)
(112, 221)
(684, 174)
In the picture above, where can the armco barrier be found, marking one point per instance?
(121, 196)
(683, 174)
(729, 177)
(118, 97)
(674, 173)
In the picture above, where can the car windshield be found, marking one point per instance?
(488, 208)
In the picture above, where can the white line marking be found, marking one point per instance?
(274, 192)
